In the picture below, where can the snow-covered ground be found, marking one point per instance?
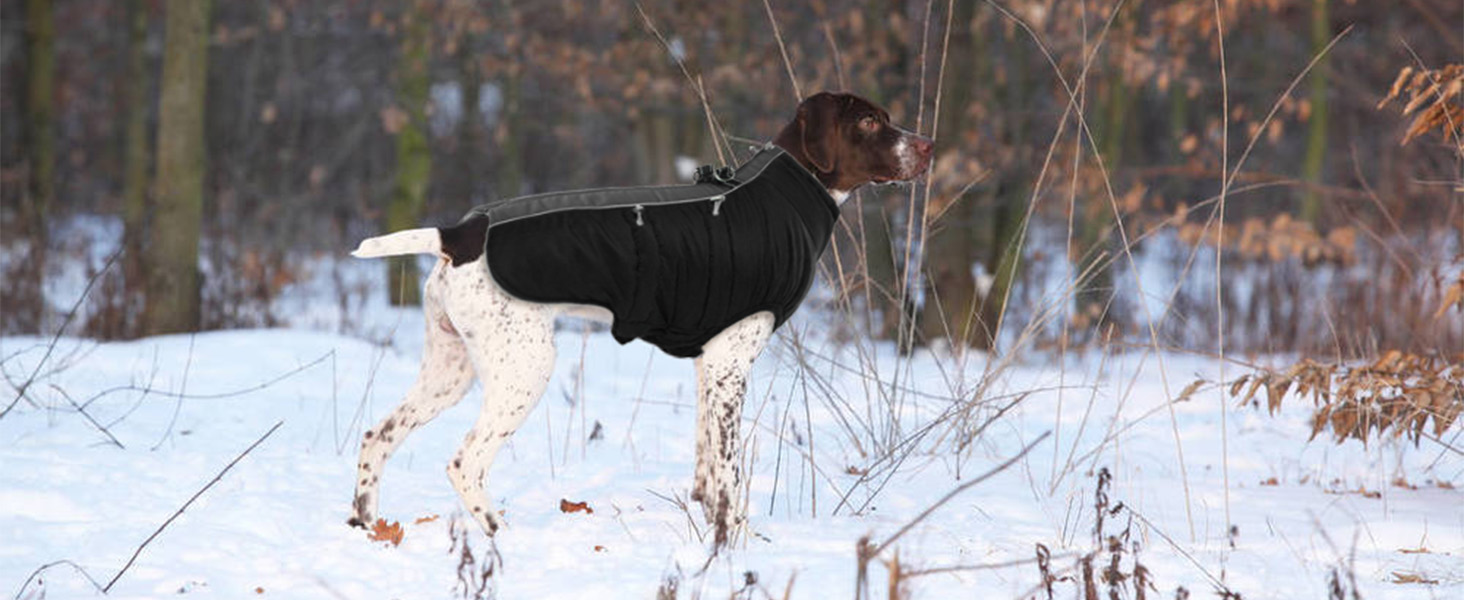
(616, 431)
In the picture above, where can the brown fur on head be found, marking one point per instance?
(847, 141)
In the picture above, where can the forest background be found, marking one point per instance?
(231, 142)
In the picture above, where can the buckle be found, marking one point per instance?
(719, 175)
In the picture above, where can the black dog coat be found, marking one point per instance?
(675, 264)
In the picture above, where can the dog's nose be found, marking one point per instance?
(924, 146)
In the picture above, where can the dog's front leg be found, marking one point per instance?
(721, 384)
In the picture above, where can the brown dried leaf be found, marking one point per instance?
(566, 506)
(1235, 387)
(1398, 85)
(1189, 390)
(1275, 392)
(1401, 577)
(1256, 383)
(381, 531)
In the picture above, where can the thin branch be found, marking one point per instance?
(239, 392)
(778, 34)
(182, 389)
(1219, 585)
(71, 314)
(719, 135)
(47, 566)
(982, 567)
(179, 512)
(1219, 257)
(956, 492)
(87, 415)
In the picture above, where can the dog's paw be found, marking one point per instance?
(357, 523)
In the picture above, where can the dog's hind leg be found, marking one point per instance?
(721, 373)
(511, 343)
(444, 378)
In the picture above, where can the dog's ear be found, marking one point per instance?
(817, 124)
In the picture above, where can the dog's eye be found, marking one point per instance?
(869, 123)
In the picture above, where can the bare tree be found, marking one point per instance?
(23, 302)
(172, 254)
(135, 153)
(413, 155)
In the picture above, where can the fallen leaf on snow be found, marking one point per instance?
(1401, 577)
(574, 507)
(382, 531)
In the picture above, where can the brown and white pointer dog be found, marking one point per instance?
(476, 328)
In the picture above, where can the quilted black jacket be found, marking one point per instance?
(675, 264)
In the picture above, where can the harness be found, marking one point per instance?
(675, 264)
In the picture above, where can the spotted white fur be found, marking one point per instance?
(475, 328)
(721, 378)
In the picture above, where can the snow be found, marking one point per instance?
(183, 407)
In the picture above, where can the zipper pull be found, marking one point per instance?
(717, 204)
(640, 217)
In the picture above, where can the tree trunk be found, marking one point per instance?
(879, 265)
(172, 255)
(414, 158)
(470, 131)
(1316, 139)
(40, 122)
(884, 257)
(22, 299)
(951, 311)
(1096, 248)
(135, 159)
(1006, 223)
(509, 133)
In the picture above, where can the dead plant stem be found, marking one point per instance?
(179, 512)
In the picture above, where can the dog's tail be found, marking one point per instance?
(427, 240)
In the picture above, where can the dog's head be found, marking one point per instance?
(848, 141)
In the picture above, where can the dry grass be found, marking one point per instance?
(1398, 394)
(1435, 100)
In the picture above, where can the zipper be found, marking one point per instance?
(717, 204)
(640, 215)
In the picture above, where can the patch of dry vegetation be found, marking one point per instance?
(1397, 394)
(1435, 99)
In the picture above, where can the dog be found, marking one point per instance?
(492, 299)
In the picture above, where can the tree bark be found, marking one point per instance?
(1093, 297)
(40, 123)
(135, 157)
(509, 131)
(172, 255)
(952, 310)
(414, 158)
(22, 298)
(470, 131)
(1316, 139)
